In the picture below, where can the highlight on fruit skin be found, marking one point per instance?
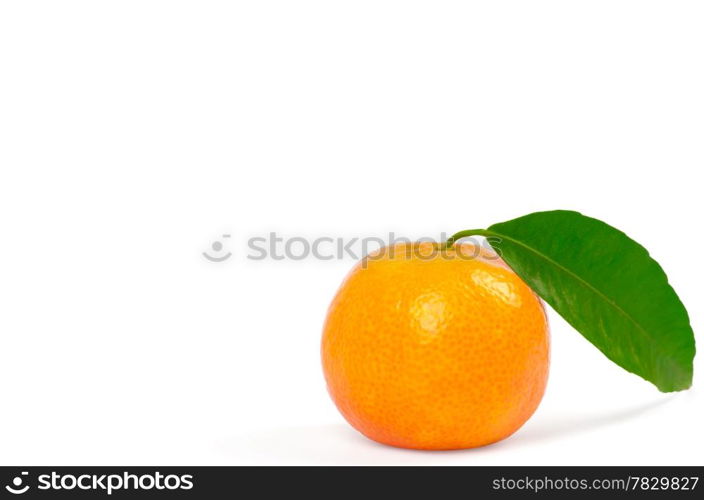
(435, 350)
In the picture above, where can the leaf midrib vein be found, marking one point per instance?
(580, 280)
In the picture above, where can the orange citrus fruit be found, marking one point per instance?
(435, 350)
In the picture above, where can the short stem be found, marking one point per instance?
(464, 234)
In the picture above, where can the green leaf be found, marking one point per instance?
(606, 286)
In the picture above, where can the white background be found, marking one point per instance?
(133, 134)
